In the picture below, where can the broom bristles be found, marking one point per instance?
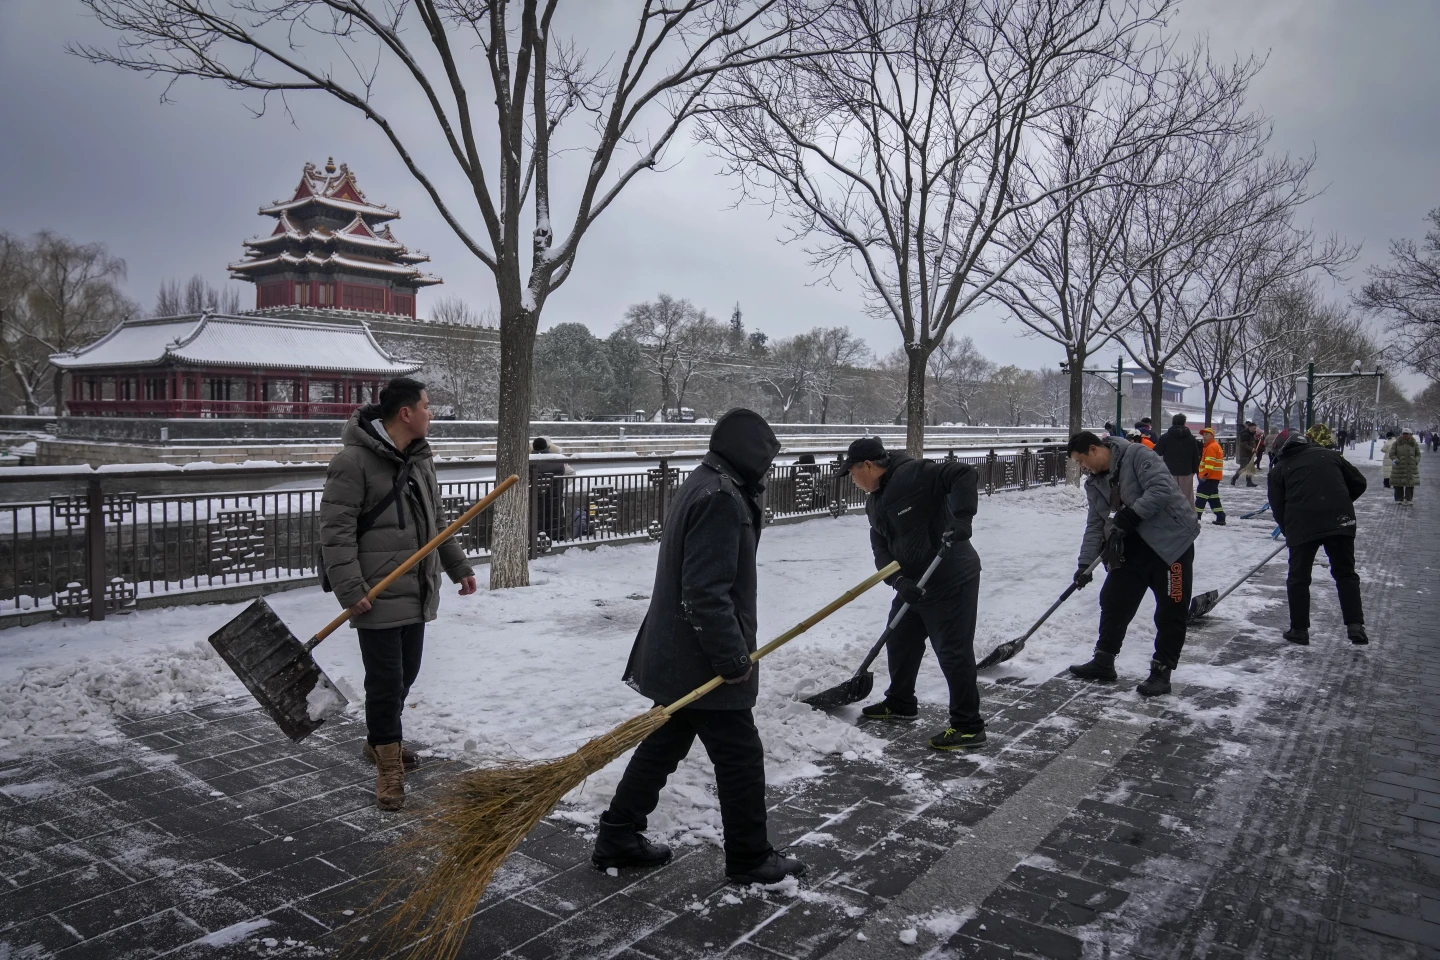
(476, 823)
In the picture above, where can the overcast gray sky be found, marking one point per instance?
(91, 152)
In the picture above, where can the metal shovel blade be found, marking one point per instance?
(1002, 653)
(278, 670)
(1203, 604)
(854, 690)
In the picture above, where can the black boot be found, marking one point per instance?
(1158, 683)
(1100, 667)
(1250, 482)
(1358, 636)
(774, 869)
(1298, 636)
(620, 845)
(1233, 479)
(1220, 520)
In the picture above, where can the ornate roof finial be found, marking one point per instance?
(329, 164)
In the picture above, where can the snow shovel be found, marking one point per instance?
(279, 670)
(1255, 513)
(858, 687)
(1009, 648)
(1203, 604)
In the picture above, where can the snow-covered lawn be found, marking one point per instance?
(535, 672)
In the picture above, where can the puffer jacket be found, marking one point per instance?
(1313, 491)
(1385, 465)
(1244, 446)
(702, 615)
(1168, 524)
(1405, 455)
(1177, 447)
(359, 477)
(909, 513)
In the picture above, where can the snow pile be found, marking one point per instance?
(81, 698)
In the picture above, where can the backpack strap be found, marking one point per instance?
(367, 519)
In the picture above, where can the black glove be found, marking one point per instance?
(1113, 553)
(739, 670)
(1127, 520)
(909, 590)
(1083, 578)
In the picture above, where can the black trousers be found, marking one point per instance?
(1207, 492)
(1341, 551)
(1403, 494)
(949, 623)
(733, 744)
(392, 662)
(1143, 571)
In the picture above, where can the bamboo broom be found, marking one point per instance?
(485, 814)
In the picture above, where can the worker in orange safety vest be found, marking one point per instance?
(1212, 471)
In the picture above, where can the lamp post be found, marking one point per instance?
(1123, 382)
(1307, 387)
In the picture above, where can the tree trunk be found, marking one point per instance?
(915, 401)
(824, 407)
(510, 543)
(1077, 393)
(59, 393)
(1157, 398)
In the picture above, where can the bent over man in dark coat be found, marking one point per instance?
(701, 623)
(1312, 493)
(914, 506)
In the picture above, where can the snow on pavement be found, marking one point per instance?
(535, 672)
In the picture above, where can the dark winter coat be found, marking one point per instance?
(1245, 444)
(359, 477)
(1313, 491)
(1168, 523)
(1179, 451)
(916, 501)
(1405, 457)
(701, 620)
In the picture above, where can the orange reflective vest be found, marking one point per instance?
(1212, 461)
(1147, 441)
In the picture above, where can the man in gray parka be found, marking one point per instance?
(381, 504)
(1144, 529)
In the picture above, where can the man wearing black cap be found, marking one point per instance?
(914, 506)
(701, 623)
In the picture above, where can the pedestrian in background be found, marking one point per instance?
(1385, 465)
(1405, 474)
(1245, 445)
(1313, 491)
(381, 503)
(1211, 472)
(1177, 447)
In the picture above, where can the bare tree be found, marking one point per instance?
(788, 373)
(1071, 286)
(196, 295)
(904, 157)
(837, 353)
(71, 295)
(677, 340)
(458, 310)
(367, 54)
(571, 370)
(1407, 293)
(961, 372)
(1013, 393)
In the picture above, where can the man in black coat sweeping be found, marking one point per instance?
(914, 506)
(701, 623)
(1313, 491)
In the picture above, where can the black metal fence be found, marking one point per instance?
(101, 551)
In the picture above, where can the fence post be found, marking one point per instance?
(1024, 467)
(95, 547)
(534, 512)
(663, 506)
(990, 472)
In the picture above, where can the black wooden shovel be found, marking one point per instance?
(1009, 648)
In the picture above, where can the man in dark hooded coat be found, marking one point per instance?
(701, 623)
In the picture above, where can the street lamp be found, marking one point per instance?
(1306, 388)
(1123, 384)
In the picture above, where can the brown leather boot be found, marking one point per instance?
(389, 777)
(411, 759)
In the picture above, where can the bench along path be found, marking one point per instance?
(1286, 802)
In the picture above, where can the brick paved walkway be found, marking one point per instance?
(1304, 822)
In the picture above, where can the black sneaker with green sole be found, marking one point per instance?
(952, 739)
(883, 711)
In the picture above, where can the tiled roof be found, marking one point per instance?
(217, 340)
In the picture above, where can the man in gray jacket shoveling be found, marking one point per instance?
(382, 503)
(1143, 527)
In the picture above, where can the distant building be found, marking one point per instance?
(220, 366)
(332, 248)
(1171, 391)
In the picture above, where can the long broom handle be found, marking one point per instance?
(1251, 572)
(416, 557)
(904, 609)
(790, 634)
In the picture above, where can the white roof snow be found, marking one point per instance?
(247, 342)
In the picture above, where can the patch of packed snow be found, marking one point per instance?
(235, 933)
(535, 672)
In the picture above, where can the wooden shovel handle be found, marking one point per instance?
(417, 556)
(790, 634)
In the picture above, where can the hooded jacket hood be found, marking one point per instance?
(745, 441)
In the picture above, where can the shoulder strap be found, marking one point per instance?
(367, 519)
